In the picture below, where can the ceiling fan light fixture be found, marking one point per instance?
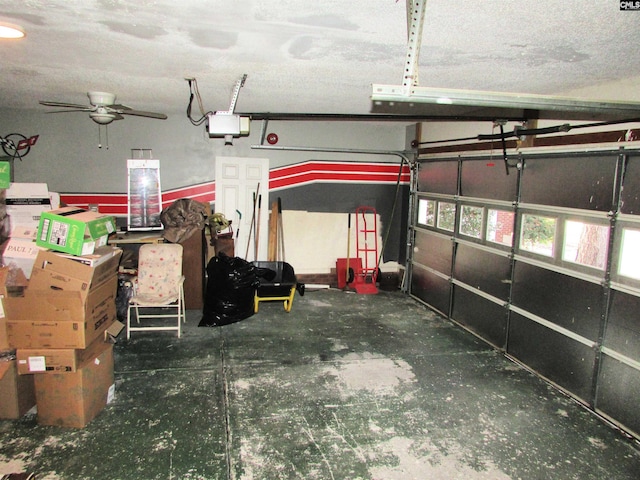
(102, 110)
(11, 31)
(102, 118)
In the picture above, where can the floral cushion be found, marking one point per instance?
(159, 274)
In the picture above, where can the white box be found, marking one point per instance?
(21, 252)
(25, 202)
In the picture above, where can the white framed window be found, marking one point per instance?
(585, 243)
(471, 221)
(446, 216)
(538, 234)
(629, 261)
(500, 226)
(427, 212)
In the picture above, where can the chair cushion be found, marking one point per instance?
(145, 299)
(159, 271)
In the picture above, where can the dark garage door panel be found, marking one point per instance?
(557, 357)
(584, 182)
(623, 328)
(483, 270)
(618, 383)
(433, 251)
(569, 302)
(438, 177)
(485, 179)
(631, 190)
(431, 289)
(483, 317)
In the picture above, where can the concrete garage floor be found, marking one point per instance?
(345, 386)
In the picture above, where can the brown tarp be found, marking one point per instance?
(182, 219)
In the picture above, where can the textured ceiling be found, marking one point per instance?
(307, 57)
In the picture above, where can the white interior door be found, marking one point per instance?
(242, 195)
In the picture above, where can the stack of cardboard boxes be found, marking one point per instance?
(22, 205)
(61, 325)
(17, 394)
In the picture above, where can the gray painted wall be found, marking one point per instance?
(68, 159)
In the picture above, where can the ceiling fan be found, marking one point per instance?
(103, 109)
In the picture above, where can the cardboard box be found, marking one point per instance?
(99, 256)
(4, 339)
(12, 283)
(24, 231)
(74, 399)
(26, 202)
(60, 319)
(60, 360)
(55, 272)
(20, 252)
(5, 174)
(73, 230)
(17, 393)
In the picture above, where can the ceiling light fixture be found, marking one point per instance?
(9, 30)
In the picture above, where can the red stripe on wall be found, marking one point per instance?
(336, 166)
(331, 177)
(203, 191)
(282, 177)
(307, 172)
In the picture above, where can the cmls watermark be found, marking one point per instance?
(629, 5)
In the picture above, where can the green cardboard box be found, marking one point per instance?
(5, 174)
(74, 230)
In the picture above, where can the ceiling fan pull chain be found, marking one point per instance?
(106, 135)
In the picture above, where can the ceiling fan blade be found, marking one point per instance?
(139, 113)
(102, 113)
(70, 110)
(66, 105)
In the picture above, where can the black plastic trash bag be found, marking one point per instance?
(231, 287)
